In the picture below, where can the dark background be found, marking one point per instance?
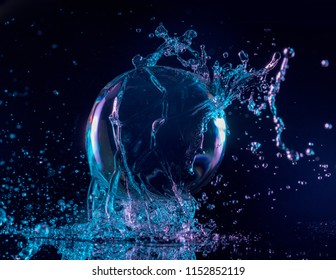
(75, 48)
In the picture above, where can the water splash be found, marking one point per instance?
(124, 208)
(155, 201)
(228, 83)
(158, 144)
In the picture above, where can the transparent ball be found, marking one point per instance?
(157, 126)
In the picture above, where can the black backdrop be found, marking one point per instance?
(75, 48)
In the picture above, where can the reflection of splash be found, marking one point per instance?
(235, 245)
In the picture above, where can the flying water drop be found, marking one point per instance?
(325, 63)
(328, 126)
(156, 135)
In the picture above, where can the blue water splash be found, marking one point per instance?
(124, 207)
(138, 184)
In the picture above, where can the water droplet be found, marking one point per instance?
(325, 63)
(218, 179)
(3, 217)
(235, 158)
(204, 197)
(254, 147)
(293, 156)
(138, 30)
(243, 56)
(310, 152)
(151, 35)
(289, 52)
(51, 172)
(55, 92)
(225, 54)
(328, 126)
(211, 207)
(61, 203)
(324, 166)
(42, 229)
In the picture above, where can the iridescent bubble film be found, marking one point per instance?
(157, 133)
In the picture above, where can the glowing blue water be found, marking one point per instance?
(155, 136)
(153, 139)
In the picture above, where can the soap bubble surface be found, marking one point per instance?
(164, 140)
